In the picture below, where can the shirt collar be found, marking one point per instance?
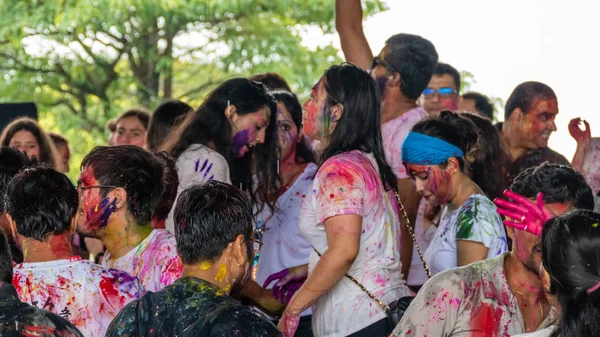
(493, 280)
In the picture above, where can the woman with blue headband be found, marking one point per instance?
(436, 154)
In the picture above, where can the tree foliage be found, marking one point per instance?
(83, 62)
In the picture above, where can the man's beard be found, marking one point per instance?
(236, 287)
(530, 265)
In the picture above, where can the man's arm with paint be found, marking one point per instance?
(343, 240)
(348, 23)
(583, 138)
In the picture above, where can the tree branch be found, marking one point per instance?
(198, 89)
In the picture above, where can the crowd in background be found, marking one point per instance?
(386, 204)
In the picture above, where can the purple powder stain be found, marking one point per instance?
(382, 83)
(107, 211)
(240, 139)
(207, 170)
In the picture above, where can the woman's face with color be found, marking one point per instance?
(287, 132)
(248, 129)
(315, 119)
(433, 182)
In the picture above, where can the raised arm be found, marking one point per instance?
(348, 22)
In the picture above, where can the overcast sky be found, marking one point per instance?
(504, 43)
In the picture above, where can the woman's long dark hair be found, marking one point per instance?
(163, 120)
(490, 159)
(209, 126)
(303, 152)
(48, 153)
(359, 127)
(571, 255)
(452, 128)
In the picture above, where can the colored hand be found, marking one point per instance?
(289, 281)
(288, 324)
(525, 214)
(581, 136)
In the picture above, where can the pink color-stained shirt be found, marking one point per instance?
(86, 294)
(470, 301)
(154, 261)
(349, 183)
(394, 133)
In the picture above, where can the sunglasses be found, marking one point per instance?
(441, 92)
(378, 61)
(256, 245)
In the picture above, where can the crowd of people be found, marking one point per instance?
(387, 204)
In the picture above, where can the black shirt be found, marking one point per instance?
(21, 319)
(189, 307)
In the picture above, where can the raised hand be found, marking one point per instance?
(288, 282)
(581, 136)
(524, 214)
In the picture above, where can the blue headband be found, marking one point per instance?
(421, 149)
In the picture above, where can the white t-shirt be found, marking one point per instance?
(283, 244)
(86, 294)
(475, 220)
(541, 333)
(349, 183)
(154, 261)
(198, 164)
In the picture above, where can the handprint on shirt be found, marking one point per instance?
(204, 170)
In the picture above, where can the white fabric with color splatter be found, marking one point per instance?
(474, 300)
(283, 244)
(349, 183)
(154, 261)
(198, 164)
(86, 294)
(476, 220)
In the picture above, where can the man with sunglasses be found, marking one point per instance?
(42, 210)
(119, 189)
(213, 228)
(403, 69)
(442, 92)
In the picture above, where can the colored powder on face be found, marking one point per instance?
(240, 139)
(222, 273)
(382, 83)
(205, 265)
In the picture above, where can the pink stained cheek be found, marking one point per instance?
(449, 104)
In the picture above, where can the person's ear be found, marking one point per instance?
(395, 80)
(517, 116)
(511, 232)
(336, 112)
(230, 111)
(452, 165)
(239, 250)
(118, 197)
